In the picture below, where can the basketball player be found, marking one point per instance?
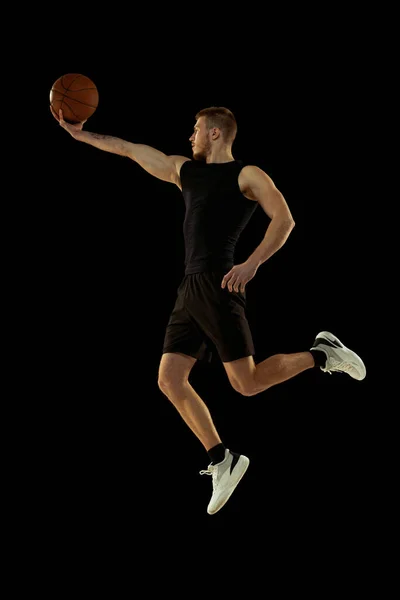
(220, 195)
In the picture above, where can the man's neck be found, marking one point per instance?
(220, 157)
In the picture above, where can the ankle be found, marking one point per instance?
(217, 453)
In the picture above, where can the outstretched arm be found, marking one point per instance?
(151, 160)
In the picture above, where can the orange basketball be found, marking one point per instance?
(76, 95)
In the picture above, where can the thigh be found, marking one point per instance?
(240, 372)
(221, 314)
(182, 334)
(175, 367)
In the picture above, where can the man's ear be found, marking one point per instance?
(215, 133)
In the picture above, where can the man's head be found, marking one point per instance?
(215, 126)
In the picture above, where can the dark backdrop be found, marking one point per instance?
(109, 257)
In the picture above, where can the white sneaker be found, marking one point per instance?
(225, 477)
(338, 357)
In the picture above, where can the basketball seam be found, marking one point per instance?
(77, 101)
(62, 81)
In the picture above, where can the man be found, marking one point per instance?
(220, 195)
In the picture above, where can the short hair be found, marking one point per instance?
(221, 117)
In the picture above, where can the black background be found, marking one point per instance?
(115, 457)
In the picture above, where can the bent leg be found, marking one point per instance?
(173, 381)
(249, 379)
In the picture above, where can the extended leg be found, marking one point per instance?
(249, 379)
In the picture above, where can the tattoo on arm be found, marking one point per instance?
(99, 136)
(108, 143)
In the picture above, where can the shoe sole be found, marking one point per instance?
(244, 461)
(332, 338)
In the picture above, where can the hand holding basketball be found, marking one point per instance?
(71, 128)
(76, 95)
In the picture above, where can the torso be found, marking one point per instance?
(218, 208)
(242, 180)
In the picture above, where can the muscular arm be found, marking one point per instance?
(257, 185)
(151, 160)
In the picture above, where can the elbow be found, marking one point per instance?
(286, 219)
(288, 227)
(284, 222)
(289, 224)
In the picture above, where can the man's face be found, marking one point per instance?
(201, 144)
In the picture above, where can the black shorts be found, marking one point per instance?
(205, 312)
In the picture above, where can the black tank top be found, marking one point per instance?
(216, 214)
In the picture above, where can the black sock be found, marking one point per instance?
(319, 357)
(217, 453)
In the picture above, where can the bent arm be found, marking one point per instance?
(257, 185)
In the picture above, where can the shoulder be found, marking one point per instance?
(253, 173)
(249, 171)
(252, 178)
(178, 162)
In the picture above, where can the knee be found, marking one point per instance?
(164, 383)
(173, 373)
(170, 382)
(245, 388)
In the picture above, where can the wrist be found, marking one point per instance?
(254, 260)
(78, 135)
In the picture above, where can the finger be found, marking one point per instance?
(242, 287)
(225, 279)
(60, 112)
(236, 286)
(231, 283)
(55, 115)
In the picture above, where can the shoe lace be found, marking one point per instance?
(336, 365)
(211, 470)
